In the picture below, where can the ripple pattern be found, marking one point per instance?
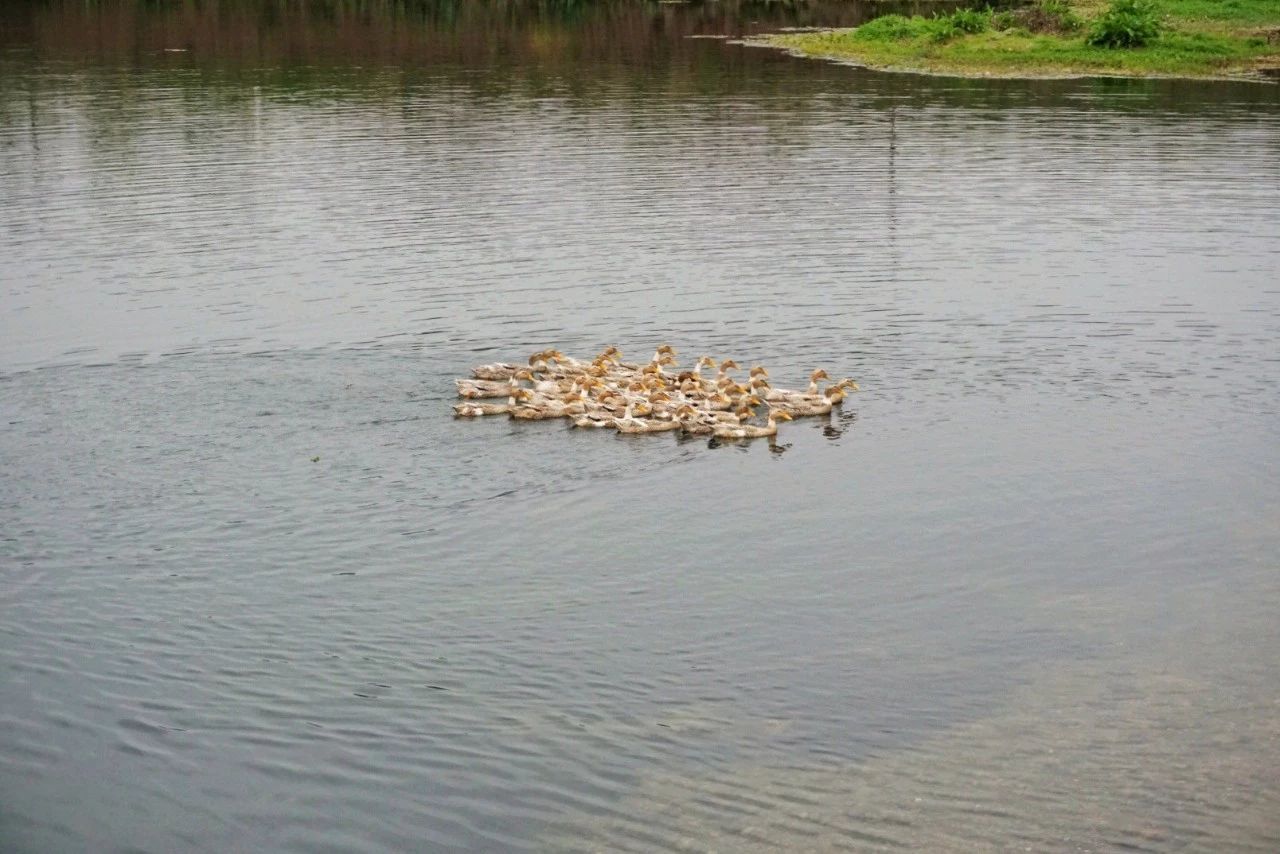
(261, 593)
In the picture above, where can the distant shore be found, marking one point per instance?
(1052, 38)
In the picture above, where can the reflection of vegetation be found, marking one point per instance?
(1124, 39)
(316, 48)
(233, 52)
(378, 13)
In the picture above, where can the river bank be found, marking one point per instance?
(1194, 39)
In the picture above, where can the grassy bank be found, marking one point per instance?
(1172, 38)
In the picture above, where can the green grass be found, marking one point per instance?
(1198, 38)
(1242, 13)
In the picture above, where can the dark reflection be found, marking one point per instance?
(546, 32)
(835, 424)
(538, 47)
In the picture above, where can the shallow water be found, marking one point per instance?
(260, 591)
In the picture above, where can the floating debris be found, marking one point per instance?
(657, 397)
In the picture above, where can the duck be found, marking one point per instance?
(495, 371)
(759, 385)
(663, 350)
(695, 373)
(536, 408)
(781, 394)
(602, 411)
(694, 420)
(848, 384)
(826, 402)
(538, 362)
(476, 389)
(752, 431)
(700, 421)
(726, 366)
(629, 419)
(566, 366)
(557, 386)
(744, 401)
(717, 401)
(738, 394)
(641, 425)
(471, 409)
(663, 405)
(657, 368)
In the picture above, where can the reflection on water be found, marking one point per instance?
(526, 37)
(1039, 775)
(260, 591)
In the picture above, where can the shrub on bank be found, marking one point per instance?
(970, 20)
(937, 29)
(1127, 23)
(1050, 39)
(889, 28)
(1047, 16)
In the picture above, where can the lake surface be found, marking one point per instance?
(261, 592)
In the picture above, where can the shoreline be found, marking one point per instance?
(1052, 41)
(776, 41)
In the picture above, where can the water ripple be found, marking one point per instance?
(261, 591)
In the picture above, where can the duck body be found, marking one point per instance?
(548, 410)
(778, 395)
(817, 404)
(744, 431)
(752, 431)
(496, 371)
(475, 410)
(811, 396)
(640, 425)
(700, 422)
(594, 420)
(801, 408)
(556, 386)
(479, 389)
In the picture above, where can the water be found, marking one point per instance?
(261, 592)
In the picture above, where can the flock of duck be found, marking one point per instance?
(651, 398)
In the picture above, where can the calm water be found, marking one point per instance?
(1020, 594)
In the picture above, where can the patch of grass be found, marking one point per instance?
(1244, 13)
(1054, 38)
